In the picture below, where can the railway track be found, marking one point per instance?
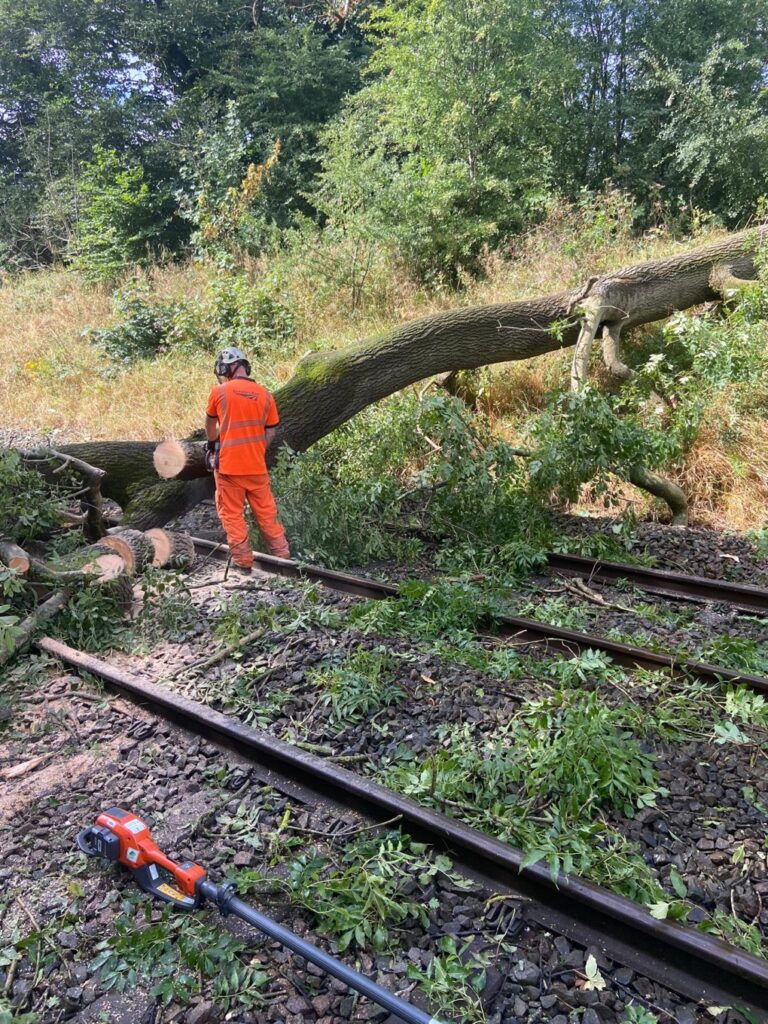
(696, 965)
(741, 596)
(552, 639)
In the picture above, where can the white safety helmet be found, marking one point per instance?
(228, 360)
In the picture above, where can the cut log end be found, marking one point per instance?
(134, 548)
(106, 567)
(179, 460)
(171, 550)
(14, 557)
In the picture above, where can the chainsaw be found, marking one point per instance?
(121, 837)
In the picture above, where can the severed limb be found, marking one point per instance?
(27, 627)
(14, 557)
(662, 488)
(615, 364)
(90, 495)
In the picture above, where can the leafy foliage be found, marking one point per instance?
(580, 439)
(27, 503)
(363, 897)
(364, 682)
(427, 610)
(453, 980)
(224, 195)
(92, 620)
(176, 955)
(540, 782)
(116, 222)
(428, 464)
(9, 631)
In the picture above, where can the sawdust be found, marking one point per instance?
(69, 771)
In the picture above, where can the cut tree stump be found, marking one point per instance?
(171, 550)
(179, 460)
(136, 550)
(14, 557)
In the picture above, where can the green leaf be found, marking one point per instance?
(659, 910)
(677, 883)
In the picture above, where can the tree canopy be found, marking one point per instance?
(434, 127)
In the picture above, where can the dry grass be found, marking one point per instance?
(55, 380)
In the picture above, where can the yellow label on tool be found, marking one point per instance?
(168, 890)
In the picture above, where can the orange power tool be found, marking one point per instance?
(121, 836)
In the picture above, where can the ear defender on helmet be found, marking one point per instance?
(228, 360)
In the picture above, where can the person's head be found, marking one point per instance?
(229, 363)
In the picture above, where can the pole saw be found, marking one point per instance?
(120, 836)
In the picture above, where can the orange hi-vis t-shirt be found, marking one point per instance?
(244, 410)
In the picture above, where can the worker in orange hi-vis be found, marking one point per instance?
(240, 421)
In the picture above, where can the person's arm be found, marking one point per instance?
(212, 427)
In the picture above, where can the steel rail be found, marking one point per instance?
(695, 964)
(743, 596)
(551, 638)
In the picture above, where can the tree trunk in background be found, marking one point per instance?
(329, 388)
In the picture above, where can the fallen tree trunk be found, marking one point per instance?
(329, 388)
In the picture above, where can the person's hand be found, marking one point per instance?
(211, 456)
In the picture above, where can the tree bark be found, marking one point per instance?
(125, 463)
(652, 291)
(155, 502)
(664, 489)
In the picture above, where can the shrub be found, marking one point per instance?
(250, 316)
(143, 332)
(256, 317)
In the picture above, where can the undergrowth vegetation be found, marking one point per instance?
(540, 783)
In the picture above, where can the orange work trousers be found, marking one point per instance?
(231, 494)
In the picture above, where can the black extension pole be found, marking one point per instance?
(224, 898)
